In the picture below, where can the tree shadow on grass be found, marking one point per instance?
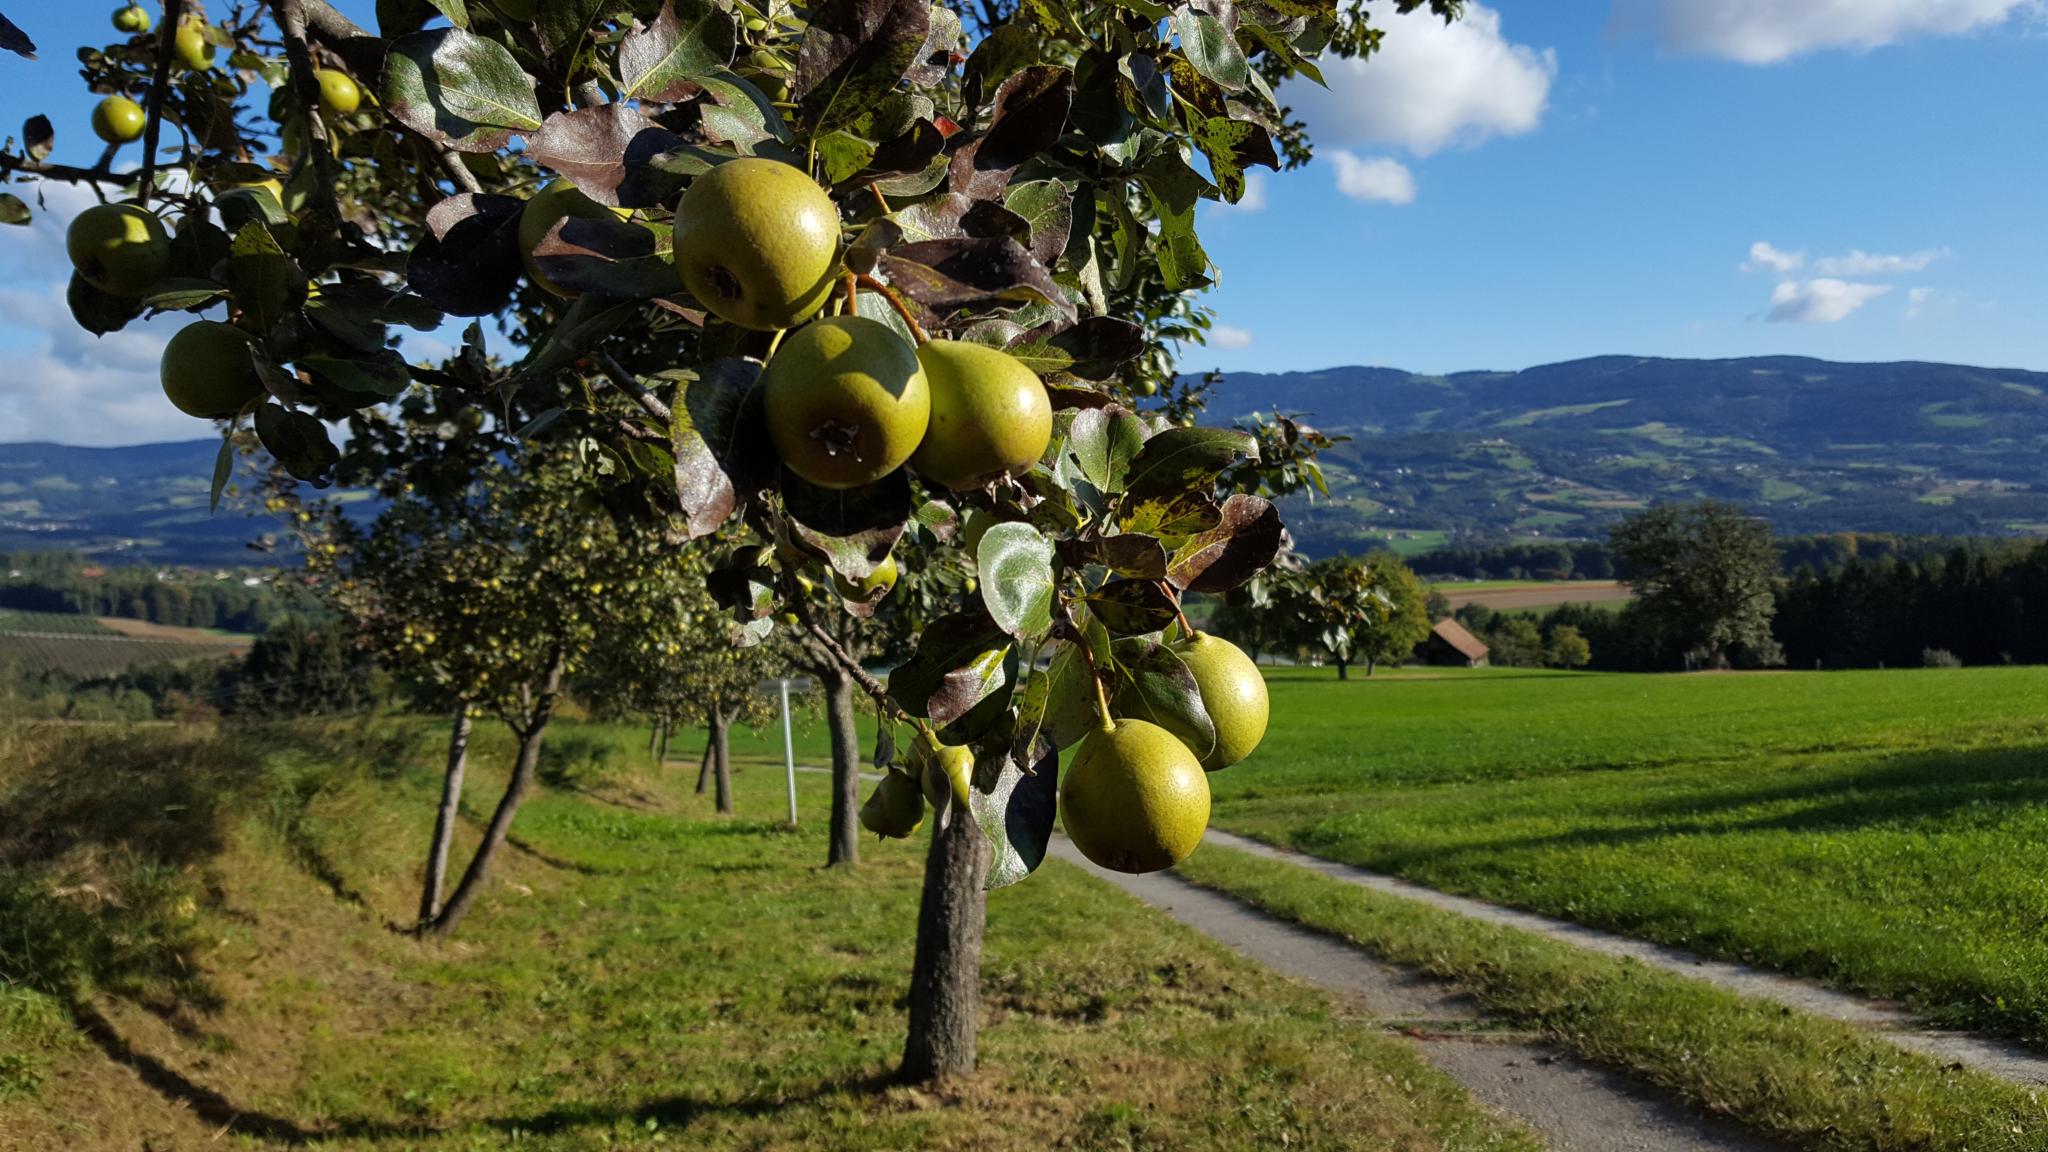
(682, 1111)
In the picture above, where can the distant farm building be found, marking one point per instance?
(1449, 643)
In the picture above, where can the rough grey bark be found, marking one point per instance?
(444, 820)
(945, 977)
(532, 729)
(845, 841)
(704, 769)
(721, 730)
(662, 759)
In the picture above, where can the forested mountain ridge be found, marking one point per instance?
(1561, 449)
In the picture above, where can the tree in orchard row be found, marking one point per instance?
(822, 282)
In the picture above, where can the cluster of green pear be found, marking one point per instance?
(1135, 794)
(848, 400)
(123, 249)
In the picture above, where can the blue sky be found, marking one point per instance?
(1548, 179)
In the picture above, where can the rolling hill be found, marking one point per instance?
(1562, 449)
(1557, 450)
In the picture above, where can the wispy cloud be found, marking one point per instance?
(1861, 263)
(1762, 255)
(1767, 31)
(1224, 336)
(1822, 301)
(1378, 178)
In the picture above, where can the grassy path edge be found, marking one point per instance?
(1815, 1083)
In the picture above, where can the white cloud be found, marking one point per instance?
(1253, 200)
(1376, 178)
(1767, 31)
(1762, 255)
(1224, 336)
(1822, 301)
(1861, 263)
(1431, 84)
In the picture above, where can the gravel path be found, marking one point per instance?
(1884, 1018)
(1577, 1108)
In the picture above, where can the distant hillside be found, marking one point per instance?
(1562, 449)
(1558, 450)
(145, 504)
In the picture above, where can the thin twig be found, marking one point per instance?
(291, 18)
(159, 87)
(69, 174)
(640, 432)
(632, 387)
(839, 655)
(889, 294)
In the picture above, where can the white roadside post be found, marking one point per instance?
(769, 687)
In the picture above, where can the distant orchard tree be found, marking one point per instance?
(1407, 622)
(1703, 575)
(1337, 605)
(1567, 647)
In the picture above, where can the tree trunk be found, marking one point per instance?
(1370, 663)
(523, 772)
(710, 754)
(653, 736)
(444, 821)
(721, 729)
(845, 841)
(663, 758)
(1343, 669)
(945, 978)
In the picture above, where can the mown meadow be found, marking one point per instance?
(203, 947)
(1884, 831)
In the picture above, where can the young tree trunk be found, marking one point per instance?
(444, 821)
(1370, 664)
(721, 730)
(1343, 668)
(845, 841)
(653, 736)
(523, 772)
(663, 758)
(710, 754)
(945, 977)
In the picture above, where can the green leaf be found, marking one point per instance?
(460, 89)
(1015, 810)
(958, 664)
(1245, 540)
(1171, 517)
(177, 294)
(1015, 562)
(455, 10)
(852, 55)
(1126, 240)
(689, 40)
(1131, 554)
(844, 155)
(1181, 459)
(739, 97)
(1156, 685)
(1104, 445)
(297, 441)
(1131, 607)
(380, 377)
(267, 284)
(1175, 188)
(854, 528)
(1070, 705)
(1001, 54)
(223, 467)
(13, 210)
(1209, 46)
(562, 24)
(1219, 139)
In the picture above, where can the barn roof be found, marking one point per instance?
(1453, 633)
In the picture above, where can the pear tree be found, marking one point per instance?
(842, 284)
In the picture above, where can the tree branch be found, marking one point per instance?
(10, 164)
(625, 382)
(159, 87)
(363, 51)
(839, 655)
(291, 19)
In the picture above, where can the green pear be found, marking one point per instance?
(990, 415)
(1233, 693)
(339, 95)
(757, 242)
(845, 400)
(884, 576)
(207, 371)
(132, 19)
(118, 120)
(896, 807)
(118, 248)
(1134, 799)
(191, 46)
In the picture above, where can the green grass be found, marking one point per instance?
(1807, 1082)
(1886, 832)
(641, 974)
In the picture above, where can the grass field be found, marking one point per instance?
(1886, 831)
(642, 974)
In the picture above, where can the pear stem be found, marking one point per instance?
(774, 342)
(889, 294)
(877, 190)
(1095, 678)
